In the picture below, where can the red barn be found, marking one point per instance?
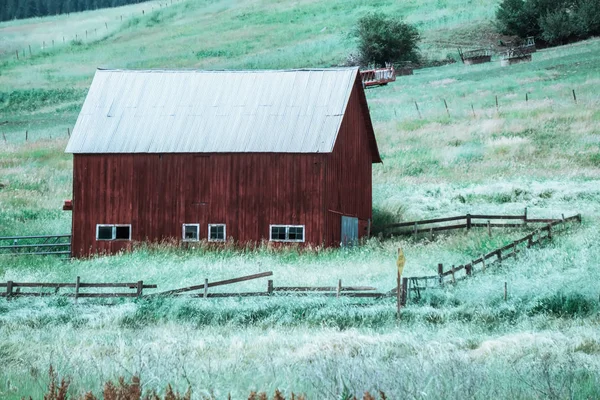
(249, 155)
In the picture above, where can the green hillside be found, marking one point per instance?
(538, 148)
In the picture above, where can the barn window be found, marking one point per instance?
(113, 232)
(216, 232)
(287, 233)
(191, 232)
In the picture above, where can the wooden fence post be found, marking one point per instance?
(441, 273)
(497, 109)
(9, 289)
(26, 135)
(68, 132)
(17, 51)
(574, 97)
(515, 249)
(30, 50)
(453, 277)
(339, 288)
(415, 233)
(530, 240)
(431, 234)
(205, 288)
(473, 109)
(4, 136)
(525, 215)
(446, 105)
(77, 282)
(468, 221)
(140, 287)
(550, 231)
(483, 263)
(505, 291)
(417, 107)
(489, 224)
(499, 255)
(404, 291)
(468, 269)
(270, 286)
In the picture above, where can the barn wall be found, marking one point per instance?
(349, 171)
(156, 194)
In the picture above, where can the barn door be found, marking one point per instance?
(349, 230)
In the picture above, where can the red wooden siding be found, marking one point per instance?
(348, 177)
(156, 194)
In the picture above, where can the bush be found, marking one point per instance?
(557, 27)
(383, 39)
(553, 21)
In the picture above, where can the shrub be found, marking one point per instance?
(557, 27)
(553, 21)
(383, 39)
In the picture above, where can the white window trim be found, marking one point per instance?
(224, 233)
(183, 226)
(114, 232)
(287, 233)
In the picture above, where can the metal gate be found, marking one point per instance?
(349, 231)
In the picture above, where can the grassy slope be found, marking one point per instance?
(543, 154)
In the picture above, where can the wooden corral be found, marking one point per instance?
(477, 56)
(518, 52)
(156, 195)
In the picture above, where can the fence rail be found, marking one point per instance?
(42, 245)
(13, 289)
(470, 221)
(419, 283)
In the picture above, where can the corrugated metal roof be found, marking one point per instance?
(291, 111)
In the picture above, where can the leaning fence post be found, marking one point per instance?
(205, 288)
(441, 273)
(77, 282)
(9, 289)
(339, 288)
(140, 286)
(270, 286)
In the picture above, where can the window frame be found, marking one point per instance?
(113, 236)
(224, 233)
(197, 226)
(287, 233)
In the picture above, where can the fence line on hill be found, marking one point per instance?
(416, 284)
(89, 34)
(470, 221)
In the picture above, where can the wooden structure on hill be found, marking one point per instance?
(518, 52)
(281, 156)
(477, 56)
(379, 76)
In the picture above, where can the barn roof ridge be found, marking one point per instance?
(191, 111)
(187, 70)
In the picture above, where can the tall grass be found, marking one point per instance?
(462, 341)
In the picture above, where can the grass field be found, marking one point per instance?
(460, 342)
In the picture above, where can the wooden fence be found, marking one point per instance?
(13, 289)
(470, 221)
(414, 285)
(36, 245)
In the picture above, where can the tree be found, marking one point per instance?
(384, 39)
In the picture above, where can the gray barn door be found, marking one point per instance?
(349, 230)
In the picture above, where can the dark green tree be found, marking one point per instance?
(384, 39)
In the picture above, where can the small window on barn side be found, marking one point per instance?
(113, 232)
(216, 232)
(287, 233)
(191, 232)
